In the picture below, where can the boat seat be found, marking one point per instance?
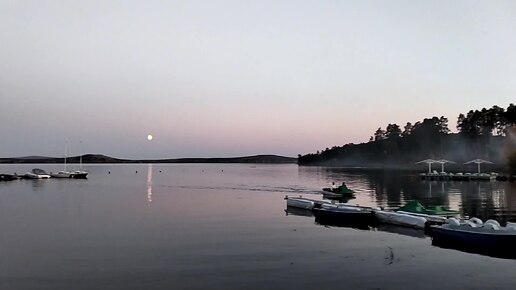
(476, 221)
(453, 221)
(471, 224)
(492, 222)
(491, 226)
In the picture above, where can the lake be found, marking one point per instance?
(224, 226)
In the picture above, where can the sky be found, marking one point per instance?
(235, 78)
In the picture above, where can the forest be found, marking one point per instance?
(488, 134)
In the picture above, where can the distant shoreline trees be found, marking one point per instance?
(481, 133)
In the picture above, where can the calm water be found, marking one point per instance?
(224, 226)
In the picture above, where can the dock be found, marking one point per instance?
(459, 176)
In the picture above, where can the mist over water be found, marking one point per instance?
(224, 226)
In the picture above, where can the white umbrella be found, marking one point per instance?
(429, 161)
(478, 161)
(443, 161)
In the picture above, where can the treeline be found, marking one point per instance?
(481, 134)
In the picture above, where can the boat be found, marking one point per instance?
(303, 203)
(401, 219)
(473, 236)
(414, 206)
(36, 173)
(329, 205)
(8, 177)
(347, 216)
(341, 198)
(63, 173)
(342, 190)
(341, 193)
(80, 173)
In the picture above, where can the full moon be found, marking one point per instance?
(149, 137)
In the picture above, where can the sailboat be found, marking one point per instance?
(63, 173)
(80, 173)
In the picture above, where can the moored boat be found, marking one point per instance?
(300, 202)
(487, 238)
(8, 177)
(80, 174)
(416, 207)
(36, 173)
(62, 174)
(401, 219)
(347, 216)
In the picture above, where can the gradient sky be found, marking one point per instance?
(234, 78)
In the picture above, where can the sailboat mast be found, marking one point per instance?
(65, 157)
(80, 155)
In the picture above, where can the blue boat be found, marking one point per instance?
(486, 239)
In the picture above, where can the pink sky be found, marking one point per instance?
(243, 78)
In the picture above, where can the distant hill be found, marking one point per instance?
(99, 158)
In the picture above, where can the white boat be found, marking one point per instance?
(63, 173)
(303, 203)
(307, 203)
(299, 202)
(36, 173)
(400, 219)
(80, 173)
(346, 206)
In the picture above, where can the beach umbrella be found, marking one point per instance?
(443, 161)
(478, 162)
(429, 162)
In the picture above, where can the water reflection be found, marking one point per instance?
(149, 182)
(501, 250)
(298, 211)
(38, 184)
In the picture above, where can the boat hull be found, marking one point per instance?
(8, 177)
(80, 174)
(491, 243)
(301, 203)
(346, 218)
(62, 174)
(399, 219)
